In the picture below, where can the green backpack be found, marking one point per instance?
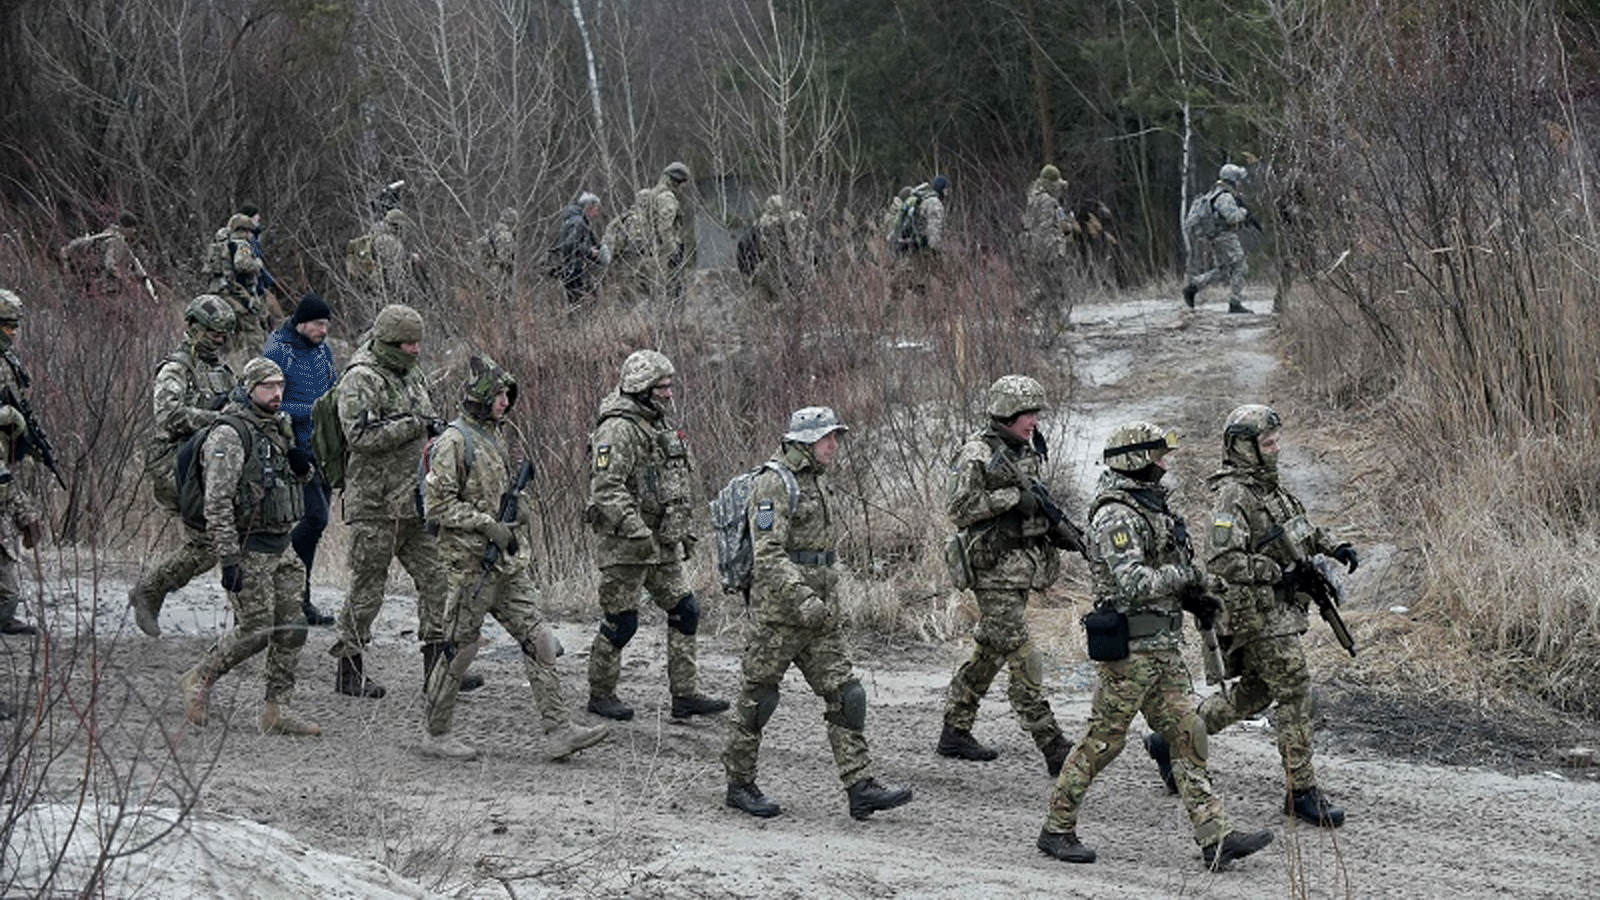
(327, 439)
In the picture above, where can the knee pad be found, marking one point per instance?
(1199, 742)
(685, 617)
(618, 628)
(766, 704)
(852, 703)
(1032, 664)
(543, 646)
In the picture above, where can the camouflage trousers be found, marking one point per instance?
(10, 584)
(1002, 639)
(174, 569)
(1155, 683)
(1227, 265)
(819, 654)
(1274, 674)
(1049, 301)
(509, 597)
(373, 543)
(619, 593)
(267, 616)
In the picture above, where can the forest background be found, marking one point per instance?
(1422, 169)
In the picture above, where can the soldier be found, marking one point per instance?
(486, 558)
(192, 385)
(380, 265)
(235, 269)
(1008, 540)
(780, 251)
(1259, 532)
(267, 288)
(498, 249)
(917, 234)
(253, 474)
(578, 252)
(640, 505)
(797, 621)
(299, 347)
(105, 261)
(1213, 221)
(1045, 227)
(1144, 577)
(19, 515)
(660, 235)
(387, 416)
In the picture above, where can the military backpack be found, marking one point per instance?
(328, 443)
(189, 480)
(730, 522)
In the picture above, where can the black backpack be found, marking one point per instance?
(191, 483)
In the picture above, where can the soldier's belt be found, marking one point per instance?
(1148, 624)
(811, 557)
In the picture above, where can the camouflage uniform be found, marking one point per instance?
(498, 248)
(1258, 530)
(1010, 556)
(657, 235)
(18, 512)
(1141, 563)
(252, 500)
(387, 415)
(640, 507)
(787, 252)
(1219, 231)
(1044, 249)
(917, 258)
(191, 386)
(469, 469)
(235, 268)
(104, 262)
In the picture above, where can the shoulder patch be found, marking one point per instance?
(602, 456)
(766, 516)
(1221, 531)
(1121, 538)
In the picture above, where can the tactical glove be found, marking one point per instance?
(1027, 503)
(813, 612)
(233, 578)
(1346, 554)
(502, 537)
(299, 461)
(11, 419)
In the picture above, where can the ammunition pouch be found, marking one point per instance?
(956, 562)
(1107, 633)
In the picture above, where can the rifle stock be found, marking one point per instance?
(1312, 581)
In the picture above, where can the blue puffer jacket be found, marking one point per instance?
(308, 373)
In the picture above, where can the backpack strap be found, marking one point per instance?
(789, 482)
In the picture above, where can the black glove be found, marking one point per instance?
(32, 534)
(1194, 600)
(299, 460)
(436, 427)
(232, 578)
(1346, 554)
(1027, 503)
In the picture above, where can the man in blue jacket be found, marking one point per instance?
(299, 347)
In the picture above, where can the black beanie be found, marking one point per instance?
(310, 309)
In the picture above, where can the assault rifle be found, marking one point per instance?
(508, 516)
(1063, 533)
(1205, 608)
(1311, 579)
(33, 441)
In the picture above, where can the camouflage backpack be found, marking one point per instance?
(910, 224)
(730, 523)
(360, 262)
(1202, 219)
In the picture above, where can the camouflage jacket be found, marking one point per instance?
(1140, 559)
(640, 484)
(668, 223)
(1007, 549)
(239, 284)
(17, 507)
(252, 499)
(462, 499)
(1043, 238)
(793, 550)
(188, 393)
(1257, 530)
(385, 414)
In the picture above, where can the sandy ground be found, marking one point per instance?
(358, 813)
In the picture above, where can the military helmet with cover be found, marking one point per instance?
(677, 171)
(10, 307)
(1231, 173)
(1242, 433)
(1012, 395)
(812, 424)
(642, 369)
(211, 313)
(397, 324)
(485, 379)
(1050, 173)
(1132, 447)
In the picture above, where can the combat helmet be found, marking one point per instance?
(1241, 434)
(1231, 173)
(1012, 395)
(397, 324)
(1132, 448)
(642, 369)
(677, 171)
(1050, 173)
(10, 307)
(211, 313)
(485, 379)
(396, 219)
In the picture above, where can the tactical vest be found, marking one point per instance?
(1169, 546)
(662, 482)
(268, 498)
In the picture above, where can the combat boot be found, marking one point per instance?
(564, 742)
(275, 721)
(1309, 805)
(1065, 846)
(446, 746)
(315, 618)
(143, 615)
(196, 690)
(610, 707)
(867, 796)
(958, 743)
(1189, 291)
(1055, 754)
(353, 679)
(1156, 746)
(696, 705)
(1234, 845)
(1237, 308)
(748, 797)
